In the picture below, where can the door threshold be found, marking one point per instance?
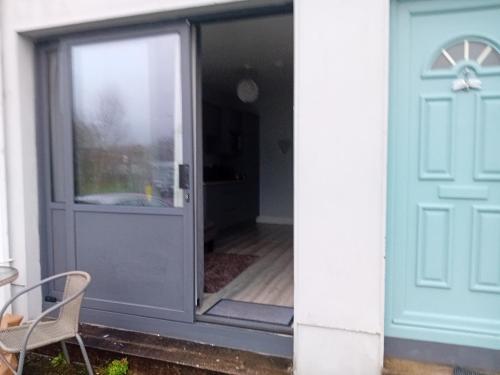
(249, 324)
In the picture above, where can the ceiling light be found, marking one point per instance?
(247, 90)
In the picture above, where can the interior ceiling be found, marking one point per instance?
(264, 44)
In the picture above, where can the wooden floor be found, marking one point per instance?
(269, 280)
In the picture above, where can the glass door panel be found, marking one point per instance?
(127, 122)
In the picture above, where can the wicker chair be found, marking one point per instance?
(38, 333)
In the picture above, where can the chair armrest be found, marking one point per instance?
(26, 290)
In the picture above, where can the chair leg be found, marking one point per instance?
(84, 354)
(65, 352)
(20, 366)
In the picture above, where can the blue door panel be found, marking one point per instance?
(443, 254)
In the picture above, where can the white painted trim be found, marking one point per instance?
(5, 293)
(274, 220)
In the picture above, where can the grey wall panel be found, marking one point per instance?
(136, 261)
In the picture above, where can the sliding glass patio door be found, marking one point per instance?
(118, 141)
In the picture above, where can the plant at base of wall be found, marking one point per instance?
(58, 361)
(116, 367)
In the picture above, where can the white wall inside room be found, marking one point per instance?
(266, 45)
(276, 167)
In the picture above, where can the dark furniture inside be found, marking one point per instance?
(231, 168)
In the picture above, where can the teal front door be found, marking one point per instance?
(443, 255)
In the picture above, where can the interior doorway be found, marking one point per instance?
(245, 269)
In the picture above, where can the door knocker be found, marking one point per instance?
(468, 82)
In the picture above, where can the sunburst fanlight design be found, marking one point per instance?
(480, 52)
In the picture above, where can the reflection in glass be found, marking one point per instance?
(127, 122)
(441, 63)
(492, 59)
(55, 130)
(475, 49)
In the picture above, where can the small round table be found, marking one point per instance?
(7, 275)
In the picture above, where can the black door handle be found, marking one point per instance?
(184, 176)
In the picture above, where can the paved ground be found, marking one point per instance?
(396, 366)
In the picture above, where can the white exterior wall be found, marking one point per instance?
(4, 234)
(341, 91)
(341, 50)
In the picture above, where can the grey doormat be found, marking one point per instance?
(256, 312)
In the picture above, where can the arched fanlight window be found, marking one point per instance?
(480, 52)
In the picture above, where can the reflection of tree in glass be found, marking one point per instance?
(109, 118)
(109, 159)
(97, 139)
(106, 127)
(163, 149)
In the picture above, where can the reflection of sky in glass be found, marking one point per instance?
(140, 74)
(128, 121)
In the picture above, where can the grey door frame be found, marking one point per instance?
(199, 210)
(70, 207)
(216, 333)
(46, 203)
